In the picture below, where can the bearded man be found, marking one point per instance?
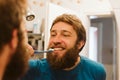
(14, 53)
(67, 38)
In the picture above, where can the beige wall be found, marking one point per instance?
(116, 10)
(117, 16)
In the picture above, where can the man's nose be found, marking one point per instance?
(57, 39)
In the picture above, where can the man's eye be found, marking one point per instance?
(66, 35)
(53, 34)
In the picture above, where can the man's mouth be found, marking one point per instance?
(58, 49)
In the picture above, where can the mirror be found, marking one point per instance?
(103, 28)
(102, 43)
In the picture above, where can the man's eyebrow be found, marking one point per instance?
(52, 30)
(66, 31)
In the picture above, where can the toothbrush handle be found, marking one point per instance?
(46, 51)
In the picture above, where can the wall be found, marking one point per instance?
(116, 10)
(38, 7)
(86, 6)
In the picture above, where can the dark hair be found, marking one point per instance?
(75, 22)
(11, 16)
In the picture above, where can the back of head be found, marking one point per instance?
(76, 23)
(11, 12)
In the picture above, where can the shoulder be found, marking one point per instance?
(88, 62)
(94, 67)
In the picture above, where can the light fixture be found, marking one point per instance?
(29, 15)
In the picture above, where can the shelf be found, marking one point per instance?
(34, 34)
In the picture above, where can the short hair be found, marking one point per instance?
(76, 24)
(11, 16)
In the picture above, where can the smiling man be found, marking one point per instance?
(67, 38)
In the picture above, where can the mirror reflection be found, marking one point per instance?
(101, 31)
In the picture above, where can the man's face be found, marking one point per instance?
(63, 39)
(18, 64)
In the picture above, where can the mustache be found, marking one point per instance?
(54, 45)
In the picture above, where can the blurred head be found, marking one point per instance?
(67, 37)
(11, 20)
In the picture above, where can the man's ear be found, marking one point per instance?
(14, 40)
(80, 44)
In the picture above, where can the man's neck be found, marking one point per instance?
(76, 63)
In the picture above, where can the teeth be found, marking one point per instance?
(51, 49)
(57, 49)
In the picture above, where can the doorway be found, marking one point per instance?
(105, 36)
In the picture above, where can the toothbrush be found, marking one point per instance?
(45, 51)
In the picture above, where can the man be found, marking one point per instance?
(67, 38)
(13, 40)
